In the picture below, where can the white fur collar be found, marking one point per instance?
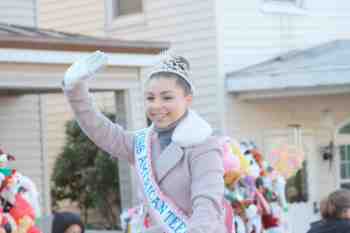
(191, 131)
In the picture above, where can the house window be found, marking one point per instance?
(295, 2)
(344, 151)
(126, 7)
(345, 129)
(345, 166)
(292, 7)
(124, 14)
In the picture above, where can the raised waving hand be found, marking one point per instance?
(84, 68)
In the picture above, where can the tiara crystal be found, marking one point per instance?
(177, 65)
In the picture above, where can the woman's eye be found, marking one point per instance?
(149, 98)
(168, 97)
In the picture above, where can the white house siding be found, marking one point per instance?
(189, 25)
(251, 36)
(20, 127)
(21, 12)
(78, 16)
(260, 119)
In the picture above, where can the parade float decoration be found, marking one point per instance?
(19, 206)
(286, 160)
(257, 190)
(255, 184)
(133, 220)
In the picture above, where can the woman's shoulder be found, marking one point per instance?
(208, 155)
(212, 143)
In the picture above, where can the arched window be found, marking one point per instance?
(345, 129)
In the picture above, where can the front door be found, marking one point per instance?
(304, 208)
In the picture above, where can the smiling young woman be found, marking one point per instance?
(177, 160)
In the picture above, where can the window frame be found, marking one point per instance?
(344, 130)
(345, 162)
(123, 21)
(292, 7)
(342, 139)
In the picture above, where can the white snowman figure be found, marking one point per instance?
(254, 223)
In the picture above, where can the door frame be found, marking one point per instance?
(308, 138)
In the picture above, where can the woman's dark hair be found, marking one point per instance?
(181, 82)
(63, 220)
(335, 204)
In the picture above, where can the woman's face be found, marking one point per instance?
(165, 101)
(75, 228)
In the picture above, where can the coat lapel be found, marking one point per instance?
(181, 138)
(167, 160)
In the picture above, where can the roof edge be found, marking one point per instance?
(319, 48)
(68, 57)
(76, 45)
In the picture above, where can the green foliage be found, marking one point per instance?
(86, 175)
(297, 190)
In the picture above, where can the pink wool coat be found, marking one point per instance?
(189, 170)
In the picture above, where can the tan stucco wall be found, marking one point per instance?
(248, 119)
(265, 121)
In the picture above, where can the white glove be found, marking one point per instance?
(84, 68)
(251, 211)
(280, 185)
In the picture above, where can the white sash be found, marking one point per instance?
(167, 213)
